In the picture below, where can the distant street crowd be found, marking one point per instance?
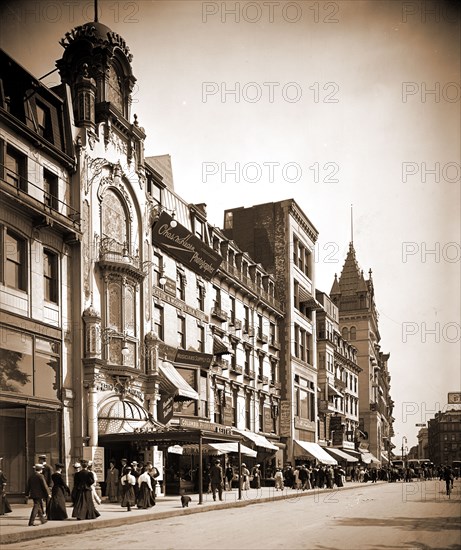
(135, 484)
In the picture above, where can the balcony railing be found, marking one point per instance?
(38, 199)
(250, 374)
(263, 379)
(219, 313)
(223, 363)
(237, 369)
(275, 344)
(232, 270)
(249, 331)
(262, 338)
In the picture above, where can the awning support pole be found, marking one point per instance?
(240, 471)
(200, 471)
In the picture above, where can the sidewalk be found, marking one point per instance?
(14, 528)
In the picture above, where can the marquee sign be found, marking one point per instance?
(185, 247)
(202, 360)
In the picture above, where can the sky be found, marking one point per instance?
(329, 103)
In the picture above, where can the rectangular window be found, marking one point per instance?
(246, 327)
(50, 189)
(232, 309)
(200, 296)
(199, 228)
(272, 333)
(248, 411)
(14, 261)
(261, 415)
(217, 297)
(203, 381)
(247, 361)
(180, 284)
(261, 366)
(154, 190)
(158, 321)
(44, 126)
(201, 338)
(50, 276)
(273, 371)
(296, 294)
(181, 332)
(260, 326)
(158, 268)
(15, 168)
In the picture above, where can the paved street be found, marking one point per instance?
(385, 516)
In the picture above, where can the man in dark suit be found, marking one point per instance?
(47, 473)
(37, 489)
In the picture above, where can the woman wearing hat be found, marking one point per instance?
(57, 507)
(84, 506)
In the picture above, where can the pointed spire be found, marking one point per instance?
(95, 11)
(335, 289)
(362, 286)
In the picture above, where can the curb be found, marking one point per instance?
(75, 527)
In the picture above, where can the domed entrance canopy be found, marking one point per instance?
(121, 416)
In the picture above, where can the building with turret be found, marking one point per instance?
(358, 322)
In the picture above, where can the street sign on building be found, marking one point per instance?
(454, 398)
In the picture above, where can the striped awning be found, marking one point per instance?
(341, 455)
(258, 439)
(172, 383)
(219, 347)
(303, 448)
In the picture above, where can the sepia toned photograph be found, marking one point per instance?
(230, 274)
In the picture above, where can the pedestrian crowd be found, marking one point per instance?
(135, 484)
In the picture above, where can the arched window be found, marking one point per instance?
(345, 333)
(353, 333)
(115, 220)
(115, 90)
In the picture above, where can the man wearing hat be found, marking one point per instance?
(37, 489)
(216, 479)
(47, 472)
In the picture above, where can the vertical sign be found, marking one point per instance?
(285, 418)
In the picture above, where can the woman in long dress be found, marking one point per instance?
(5, 507)
(112, 482)
(57, 507)
(127, 481)
(84, 506)
(144, 499)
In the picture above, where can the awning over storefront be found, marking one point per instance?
(232, 447)
(219, 347)
(341, 455)
(369, 458)
(258, 440)
(173, 383)
(313, 450)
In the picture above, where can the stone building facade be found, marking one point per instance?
(40, 232)
(358, 323)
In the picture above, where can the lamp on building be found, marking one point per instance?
(158, 209)
(173, 222)
(125, 349)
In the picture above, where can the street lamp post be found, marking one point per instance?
(404, 444)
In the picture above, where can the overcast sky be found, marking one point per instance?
(333, 103)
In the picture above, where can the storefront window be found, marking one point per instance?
(16, 362)
(26, 432)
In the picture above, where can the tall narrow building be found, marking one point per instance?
(281, 237)
(358, 321)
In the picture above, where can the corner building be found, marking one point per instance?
(40, 233)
